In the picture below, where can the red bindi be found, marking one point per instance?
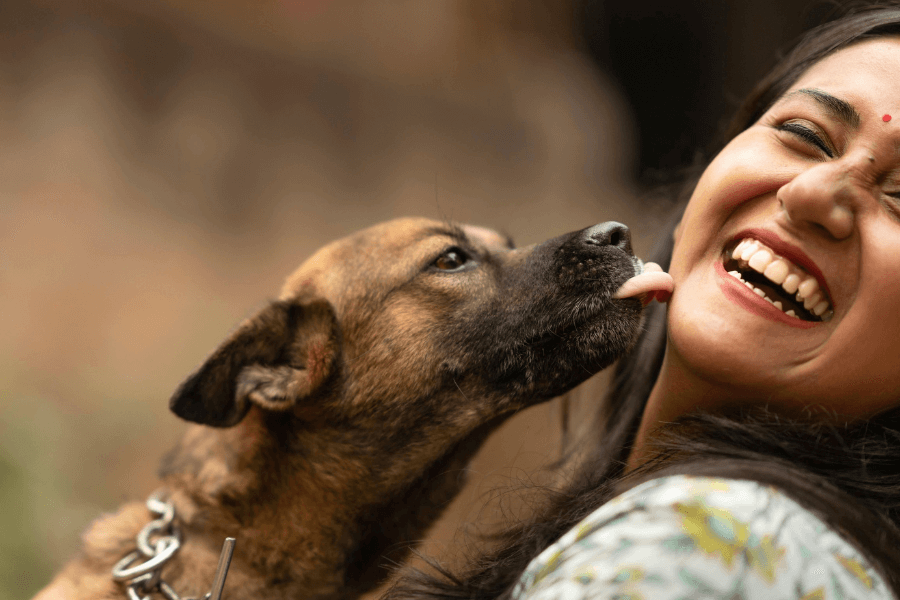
(886, 118)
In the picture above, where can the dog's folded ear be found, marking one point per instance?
(274, 359)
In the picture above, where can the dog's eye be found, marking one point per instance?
(451, 260)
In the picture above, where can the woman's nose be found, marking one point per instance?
(824, 197)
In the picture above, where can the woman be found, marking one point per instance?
(757, 453)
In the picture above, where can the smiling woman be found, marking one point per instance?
(806, 190)
(750, 444)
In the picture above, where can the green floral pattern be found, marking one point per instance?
(681, 537)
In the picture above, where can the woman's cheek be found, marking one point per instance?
(733, 183)
(744, 174)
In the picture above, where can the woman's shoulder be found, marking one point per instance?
(689, 537)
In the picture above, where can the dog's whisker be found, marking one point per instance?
(460, 389)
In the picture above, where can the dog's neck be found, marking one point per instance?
(315, 523)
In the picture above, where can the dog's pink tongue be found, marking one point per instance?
(652, 283)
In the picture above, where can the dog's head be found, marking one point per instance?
(418, 315)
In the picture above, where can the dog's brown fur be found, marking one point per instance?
(333, 425)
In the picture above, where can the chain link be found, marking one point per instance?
(156, 544)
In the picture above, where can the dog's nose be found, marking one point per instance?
(610, 233)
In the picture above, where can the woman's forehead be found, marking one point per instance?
(860, 82)
(876, 59)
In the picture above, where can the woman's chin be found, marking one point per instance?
(731, 346)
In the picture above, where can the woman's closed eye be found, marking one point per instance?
(808, 134)
(892, 204)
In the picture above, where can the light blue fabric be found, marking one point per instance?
(682, 537)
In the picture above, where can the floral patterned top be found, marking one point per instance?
(684, 537)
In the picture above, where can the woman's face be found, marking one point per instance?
(805, 201)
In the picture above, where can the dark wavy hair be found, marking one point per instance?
(848, 475)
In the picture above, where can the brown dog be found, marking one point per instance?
(331, 426)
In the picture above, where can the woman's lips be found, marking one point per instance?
(739, 294)
(790, 252)
(790, 287)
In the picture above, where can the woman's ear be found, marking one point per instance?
(676, 233)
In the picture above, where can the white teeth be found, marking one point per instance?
(746, 245)
(749, 250)
(820, 308)
(808, 287)
(760, 260)
(777, 271)
(812, 301)
(792, 279)
(791, 283)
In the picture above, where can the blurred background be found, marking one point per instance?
(164, 164)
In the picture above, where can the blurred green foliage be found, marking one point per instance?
(23, 568)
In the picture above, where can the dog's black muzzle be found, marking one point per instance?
(554, 321)
(596, 260)
(592, 257)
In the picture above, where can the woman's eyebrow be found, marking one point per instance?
(839, 109)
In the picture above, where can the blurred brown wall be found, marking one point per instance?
(684, 65)
(162, 168)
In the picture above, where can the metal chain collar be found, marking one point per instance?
(156, 544)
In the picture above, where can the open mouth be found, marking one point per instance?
(788, 287)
